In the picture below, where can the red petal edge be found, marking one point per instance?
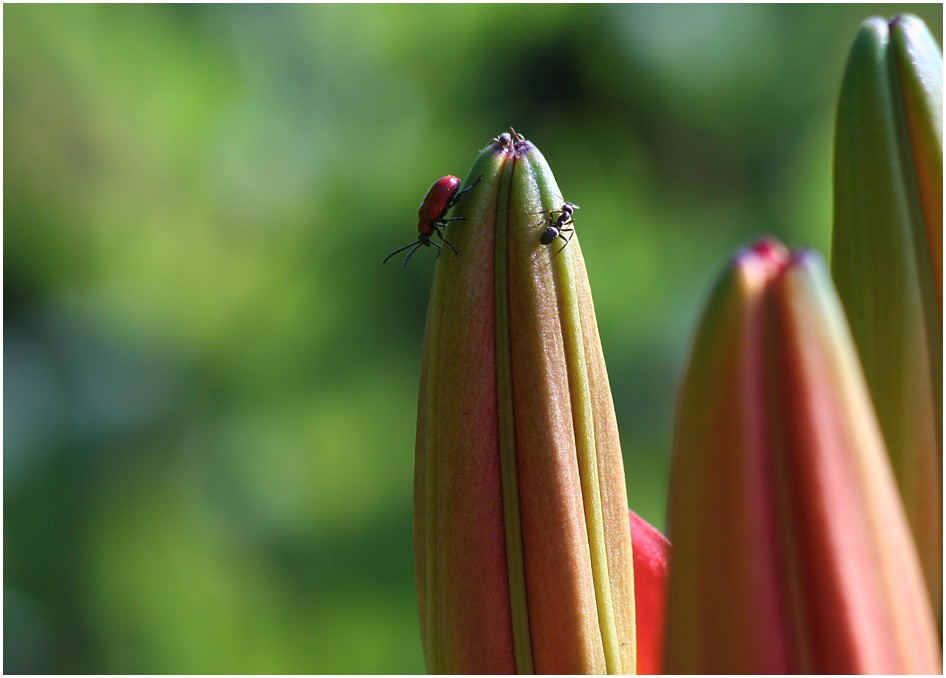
(651, 564)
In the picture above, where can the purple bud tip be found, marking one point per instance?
(771, 252)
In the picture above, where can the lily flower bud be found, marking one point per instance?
(886, 255)
(522, 540)
(791, 550)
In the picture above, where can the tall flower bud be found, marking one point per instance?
(887, 254)
(791, 551)
(522, 541)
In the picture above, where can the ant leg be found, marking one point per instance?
(558, 211)
(571, 232)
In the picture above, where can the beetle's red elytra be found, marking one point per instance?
(437, 201)
(444, 194)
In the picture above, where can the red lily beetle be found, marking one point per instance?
(557, 226)
(444, 194)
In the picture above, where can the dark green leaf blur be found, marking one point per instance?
(210, 378)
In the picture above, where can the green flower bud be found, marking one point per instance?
(522, 541)
(886, 255)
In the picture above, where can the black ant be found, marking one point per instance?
(557, 225)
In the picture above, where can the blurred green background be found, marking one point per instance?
(210, 379)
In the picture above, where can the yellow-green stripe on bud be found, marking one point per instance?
(886, 254)
(522, 541)
(791, 551)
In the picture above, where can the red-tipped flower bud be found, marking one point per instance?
(791, 550)
(523, 548)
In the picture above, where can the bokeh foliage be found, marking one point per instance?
(210, 379)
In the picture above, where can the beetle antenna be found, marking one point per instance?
(401, 249)
(409, 254)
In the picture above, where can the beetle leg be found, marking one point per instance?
(456, 196)
(447, 242)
